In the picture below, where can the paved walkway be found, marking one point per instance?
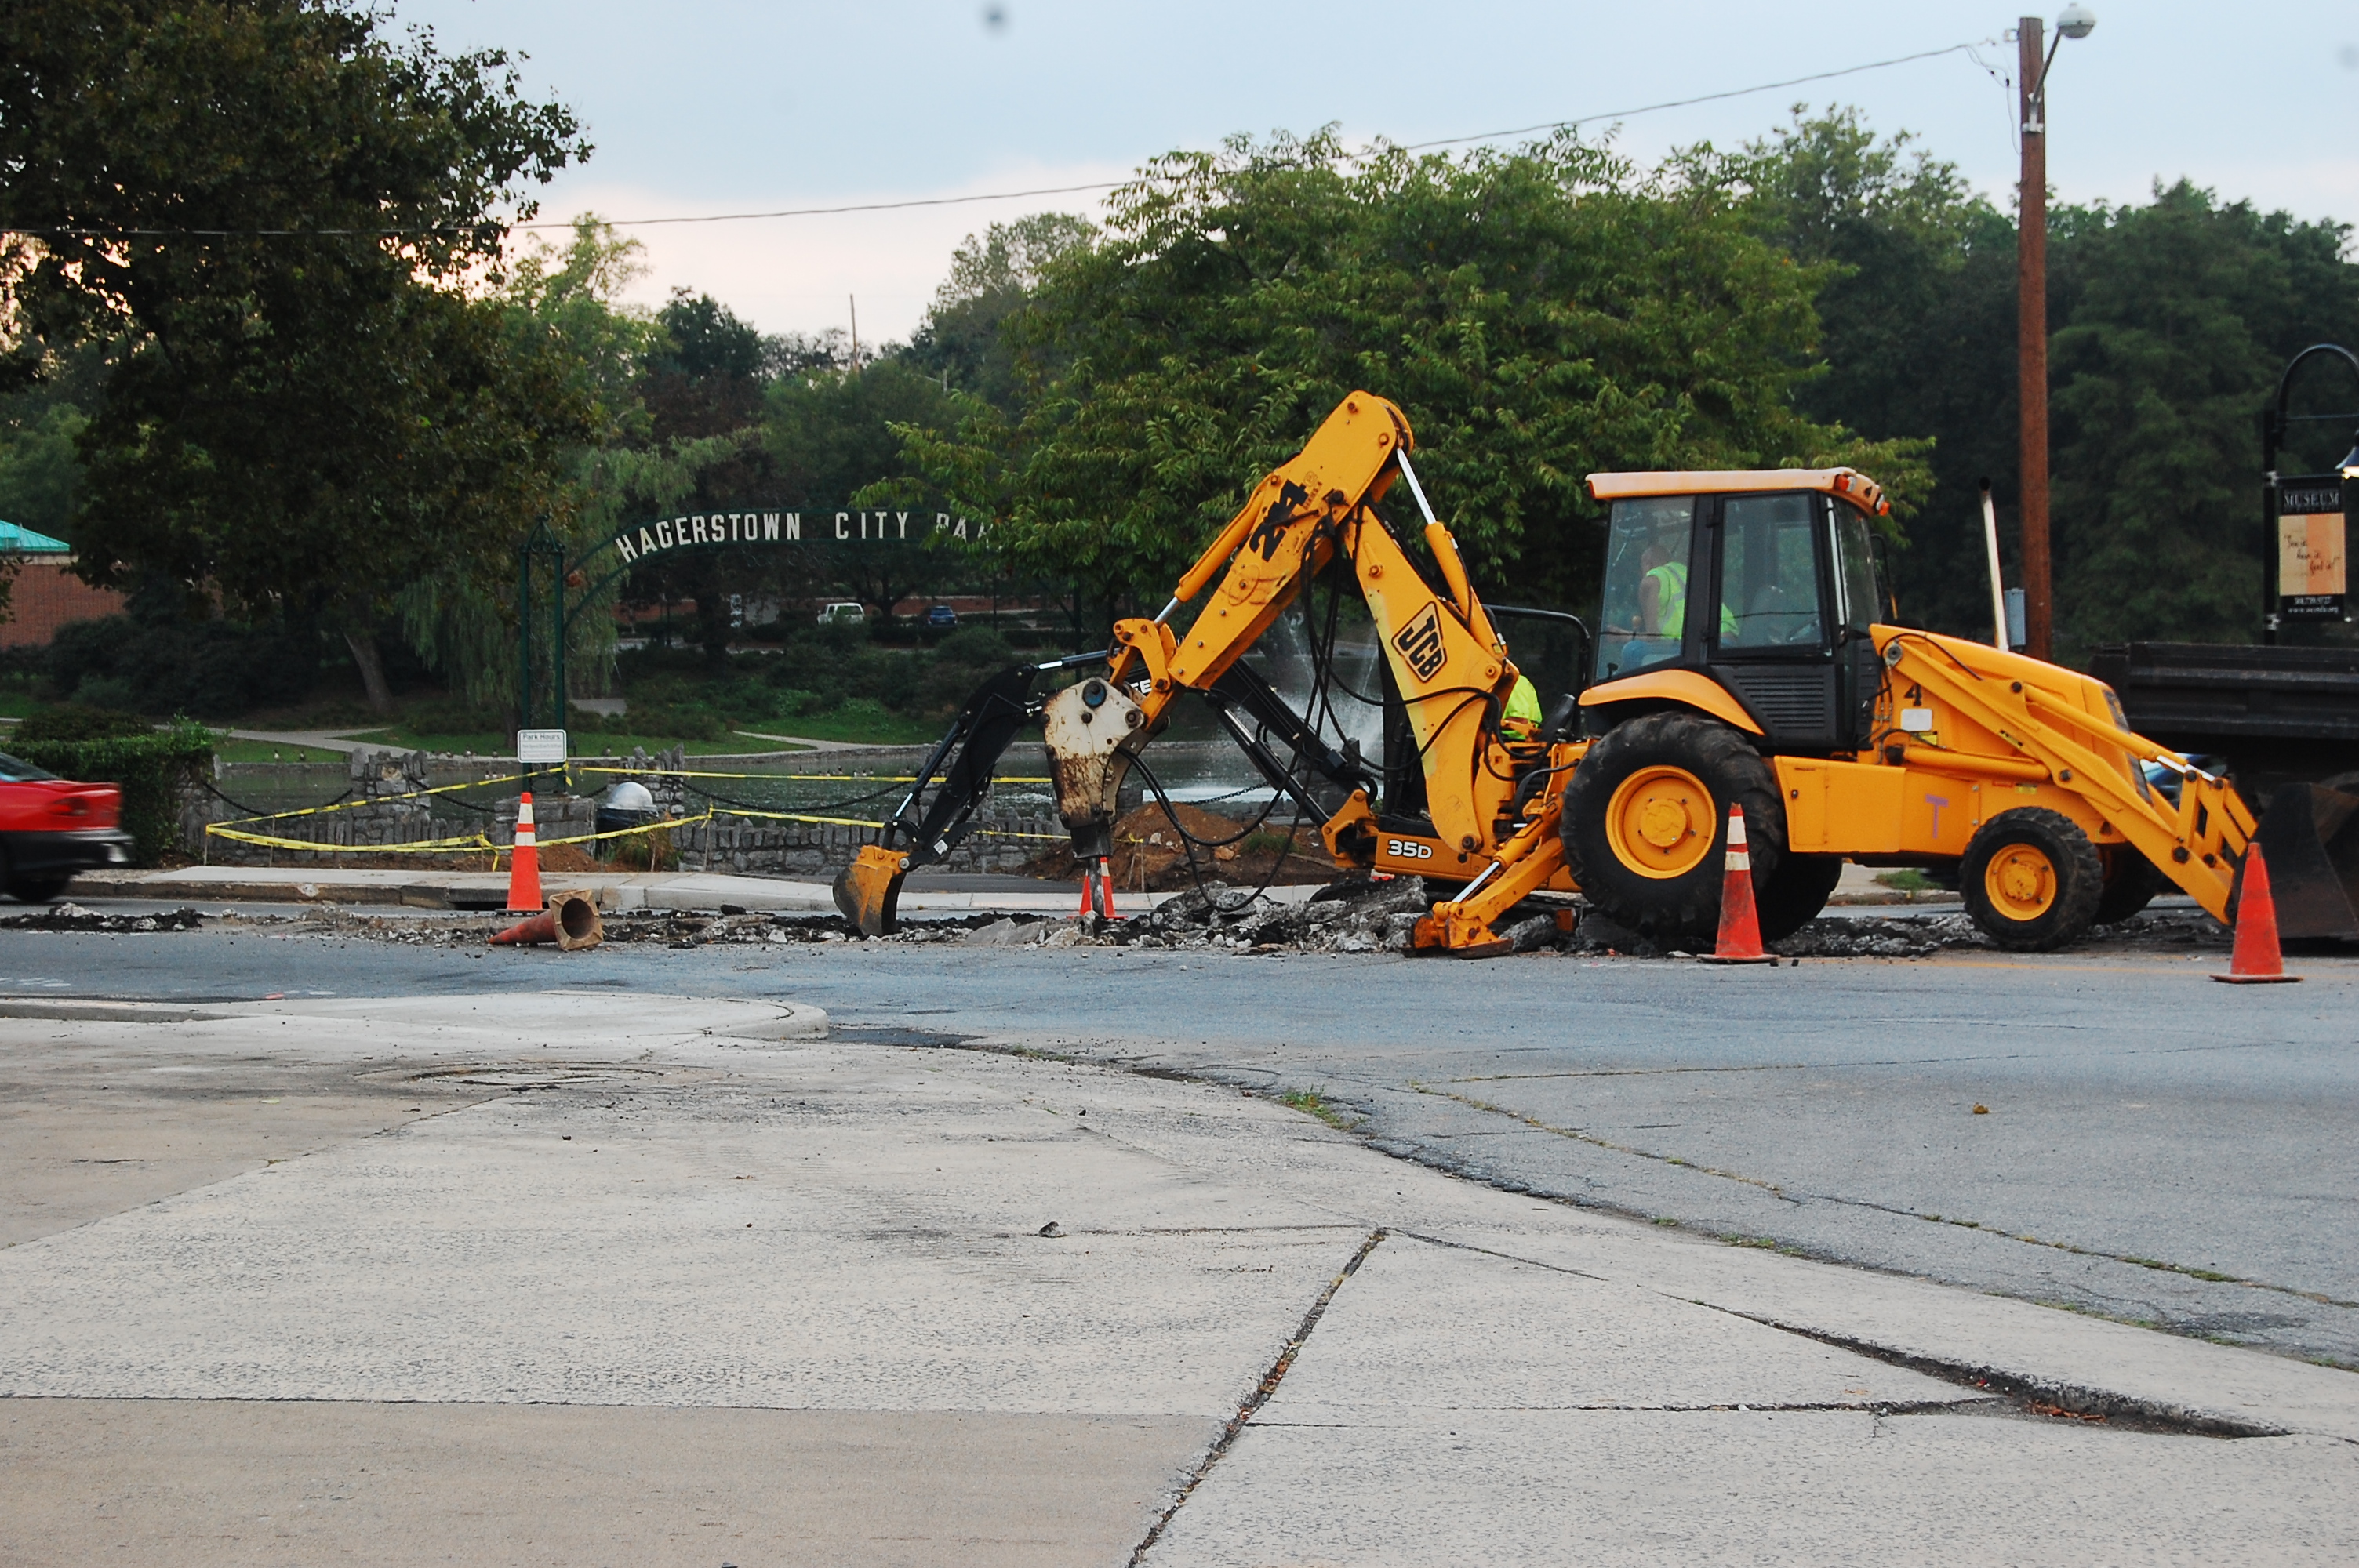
(552, 1278)
(318, 739)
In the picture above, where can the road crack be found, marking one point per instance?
(1259, 1398)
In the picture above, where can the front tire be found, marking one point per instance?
(2032, 880)
(1645, 823)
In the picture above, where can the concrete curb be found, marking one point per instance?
(482, 891)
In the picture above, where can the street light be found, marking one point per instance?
(2076, 21)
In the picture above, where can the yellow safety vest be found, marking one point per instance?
(1671, 601)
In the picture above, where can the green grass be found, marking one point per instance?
(1341, 1118)
(1908, 879)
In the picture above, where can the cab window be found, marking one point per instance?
(1769, 573)
(1647, 563)
(1863, 596)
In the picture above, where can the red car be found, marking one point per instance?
(52, 827)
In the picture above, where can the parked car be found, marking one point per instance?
(843, 612)
(52, 827)
(942, 615)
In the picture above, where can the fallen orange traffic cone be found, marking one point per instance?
(524, 863)
(570, 921)
(2256, 960)
(1740, 927)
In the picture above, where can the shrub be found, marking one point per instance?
(74, 722)
(161, 665)
(149, 766)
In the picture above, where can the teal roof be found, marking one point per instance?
(16, 541)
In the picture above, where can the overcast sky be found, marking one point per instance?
(719, 107)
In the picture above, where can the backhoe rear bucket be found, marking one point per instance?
(869, 891)
(2311, 836)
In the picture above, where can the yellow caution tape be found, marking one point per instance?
(372, 800)
(808, 778)
(658, 827)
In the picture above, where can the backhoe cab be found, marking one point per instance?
(1745, 656)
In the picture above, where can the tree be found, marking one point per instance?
(2176, 320)
(831, 438)
(2170, 322)
(462, 618)
(964, 340)
(276, 210)
(1540, 314)
(1916, 330)
(703, 385)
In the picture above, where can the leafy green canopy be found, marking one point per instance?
(1539, 314)
(2173, 322)
(2170, 321)
(273, 210)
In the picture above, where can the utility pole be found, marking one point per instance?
(2031, 334)
(855, 300)
(2076, 21)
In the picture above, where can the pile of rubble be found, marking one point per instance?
(74, 917)
(1356, 916)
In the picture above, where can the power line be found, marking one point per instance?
(1704, 98)
(994, 195)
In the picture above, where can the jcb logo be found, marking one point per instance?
(1421, 643)
(1408, 849)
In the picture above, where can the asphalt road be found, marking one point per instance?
(2155, 1147)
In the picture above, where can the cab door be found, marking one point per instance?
(1774, 642)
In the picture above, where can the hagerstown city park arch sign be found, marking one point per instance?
(543, 573)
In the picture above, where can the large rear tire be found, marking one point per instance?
(2032, 880)
(1645, 823)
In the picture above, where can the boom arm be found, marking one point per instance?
(1448, 662)
(1449, 665)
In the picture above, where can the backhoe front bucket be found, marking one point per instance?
(869, 891)
(2311, 837)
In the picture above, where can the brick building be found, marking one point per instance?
(47, 595)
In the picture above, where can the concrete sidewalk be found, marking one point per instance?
(564, 1278)
(952, 894)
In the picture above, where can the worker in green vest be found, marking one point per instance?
(1663, 597)
(1521, 721)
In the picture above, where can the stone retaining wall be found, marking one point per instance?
(373, 819)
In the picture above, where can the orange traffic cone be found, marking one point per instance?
(2256, 960)
(523, 864)
(1740, 927)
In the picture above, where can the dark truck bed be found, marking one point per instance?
(2277, 715)
(2286, 720)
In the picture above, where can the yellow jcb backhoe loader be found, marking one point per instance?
(1744, 657)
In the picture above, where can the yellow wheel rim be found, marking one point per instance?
(2021, 882)
(1661, 822)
